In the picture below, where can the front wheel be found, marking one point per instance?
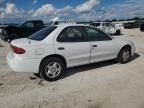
(124, 55)
(52, 68)
(118, 32)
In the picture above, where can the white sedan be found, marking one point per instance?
(53, 49)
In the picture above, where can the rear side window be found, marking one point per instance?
(43, 33)
(71, 34)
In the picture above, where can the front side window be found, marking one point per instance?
(38, 24)
(71, 34)
(96, 35)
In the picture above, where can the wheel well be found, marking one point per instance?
(54, 55)
(118, 30)
(126, 46)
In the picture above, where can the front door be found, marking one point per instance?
(102, 47)
(72, 44)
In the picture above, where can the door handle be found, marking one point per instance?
(94, 45)
(61, 48)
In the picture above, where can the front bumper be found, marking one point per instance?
(23, 65)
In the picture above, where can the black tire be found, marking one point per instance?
(142, 27)
(47, 62)
(121, 55)
(118, 32)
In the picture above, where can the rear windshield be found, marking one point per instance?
(43, 33)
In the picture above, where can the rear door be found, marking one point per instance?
(102, 46)
(73, 45)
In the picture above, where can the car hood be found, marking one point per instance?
(119, 37)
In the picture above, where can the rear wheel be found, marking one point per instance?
(52, 68)
(124, 55)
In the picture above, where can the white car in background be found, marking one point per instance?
(53, 49)
(0, 31)
(107, 27)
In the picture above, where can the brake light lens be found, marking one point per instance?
(17, 50)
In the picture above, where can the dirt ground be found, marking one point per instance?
(101, 85)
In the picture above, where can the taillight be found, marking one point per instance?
(17, 50)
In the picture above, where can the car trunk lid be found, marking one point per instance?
(22, 42)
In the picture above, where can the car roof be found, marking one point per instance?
(101, 22)
(68, 25)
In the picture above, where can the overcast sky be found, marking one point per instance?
(20, 10)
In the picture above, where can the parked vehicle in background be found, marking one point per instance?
(25, 29)
(107, 27)
(11, 32)
(142, 27)
(53, 49)
(131, 25)
(0, 31)
(3, 26)
(57, 21)
(118, 25)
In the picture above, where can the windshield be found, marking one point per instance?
(40, 35)
(20, 24)
(50, 23)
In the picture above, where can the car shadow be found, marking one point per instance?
(117, 34)
(1, 46)
(135, 56)
(83, 68)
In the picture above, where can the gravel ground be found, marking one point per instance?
(101, 85)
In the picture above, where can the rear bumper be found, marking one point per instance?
(23, 65)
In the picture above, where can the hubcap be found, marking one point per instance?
(53, 69)
(126, 55)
